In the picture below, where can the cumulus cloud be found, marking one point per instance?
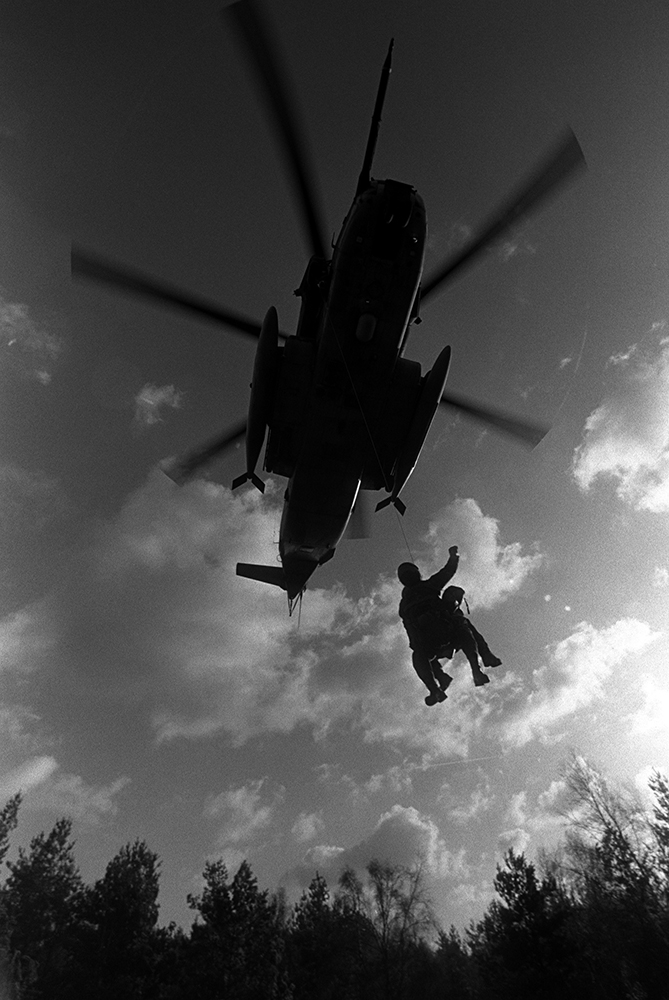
(24, 777)
(514, 248)
(479, 801)
(541, 822)
(307, 826)
(626, 438)
(45, 787)
(661, 576)
(242, 812)
(653, 715)
(517, 809)
(640, 783)
(574, 676)
(22, 644)
(28, 348)
(151, 400)
(70, 795)
(402, 836)
(396, 779)
(489, 570)
(321, 858)
(553, 801)
(16, 736)
(151, 613)
(517, 840)
(152, 610)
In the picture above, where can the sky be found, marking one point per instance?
(145, 690)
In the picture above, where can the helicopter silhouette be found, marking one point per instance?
(345, 411)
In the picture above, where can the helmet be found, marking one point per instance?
(408, 573)
(452, 597)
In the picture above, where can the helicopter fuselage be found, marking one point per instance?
(344, 409)
(342, 397)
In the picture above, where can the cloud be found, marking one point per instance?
(577, 669)
(517, 809)
(242, 813)
(26, 776)
(541, 824)
(661, 576)
(489, 571)
(554, 800)
(151, 399)
(402, 836)
(653, 716)
(307, 826)
(478, 802)
(514, 248)
(28, 348)
(151, 614)
(22, 642)
(396, 779)
(517, 840)
(448, 239)
(152, 610)
(44, 787)
(16, 723)
(69, 795)
(445, 240)
(29, 500)
(641, 779)
(626, 438)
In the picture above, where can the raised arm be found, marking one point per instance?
(439, 579)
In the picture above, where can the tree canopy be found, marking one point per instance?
(590, 920)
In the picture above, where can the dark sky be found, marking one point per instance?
(145, 689)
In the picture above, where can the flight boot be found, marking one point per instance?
(443, 679)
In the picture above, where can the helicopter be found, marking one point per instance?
(342, 409)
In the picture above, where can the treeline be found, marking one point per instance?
(589, 922)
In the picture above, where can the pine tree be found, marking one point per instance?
(118, 941)
(41, 898)
(8, 973)
(236, 949)
(322, 945)
(522, 946)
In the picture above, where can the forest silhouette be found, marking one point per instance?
(589, 920)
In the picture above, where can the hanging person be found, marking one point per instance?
(452, 599)
(431, 628)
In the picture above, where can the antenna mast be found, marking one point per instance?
(364, 180)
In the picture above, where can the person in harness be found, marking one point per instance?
(452, 599)
(433, 630)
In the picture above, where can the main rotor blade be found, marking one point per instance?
(183, 470)
(92, 267)
(529, 434)
(552, 172)
(359, 525)
(247, 20)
